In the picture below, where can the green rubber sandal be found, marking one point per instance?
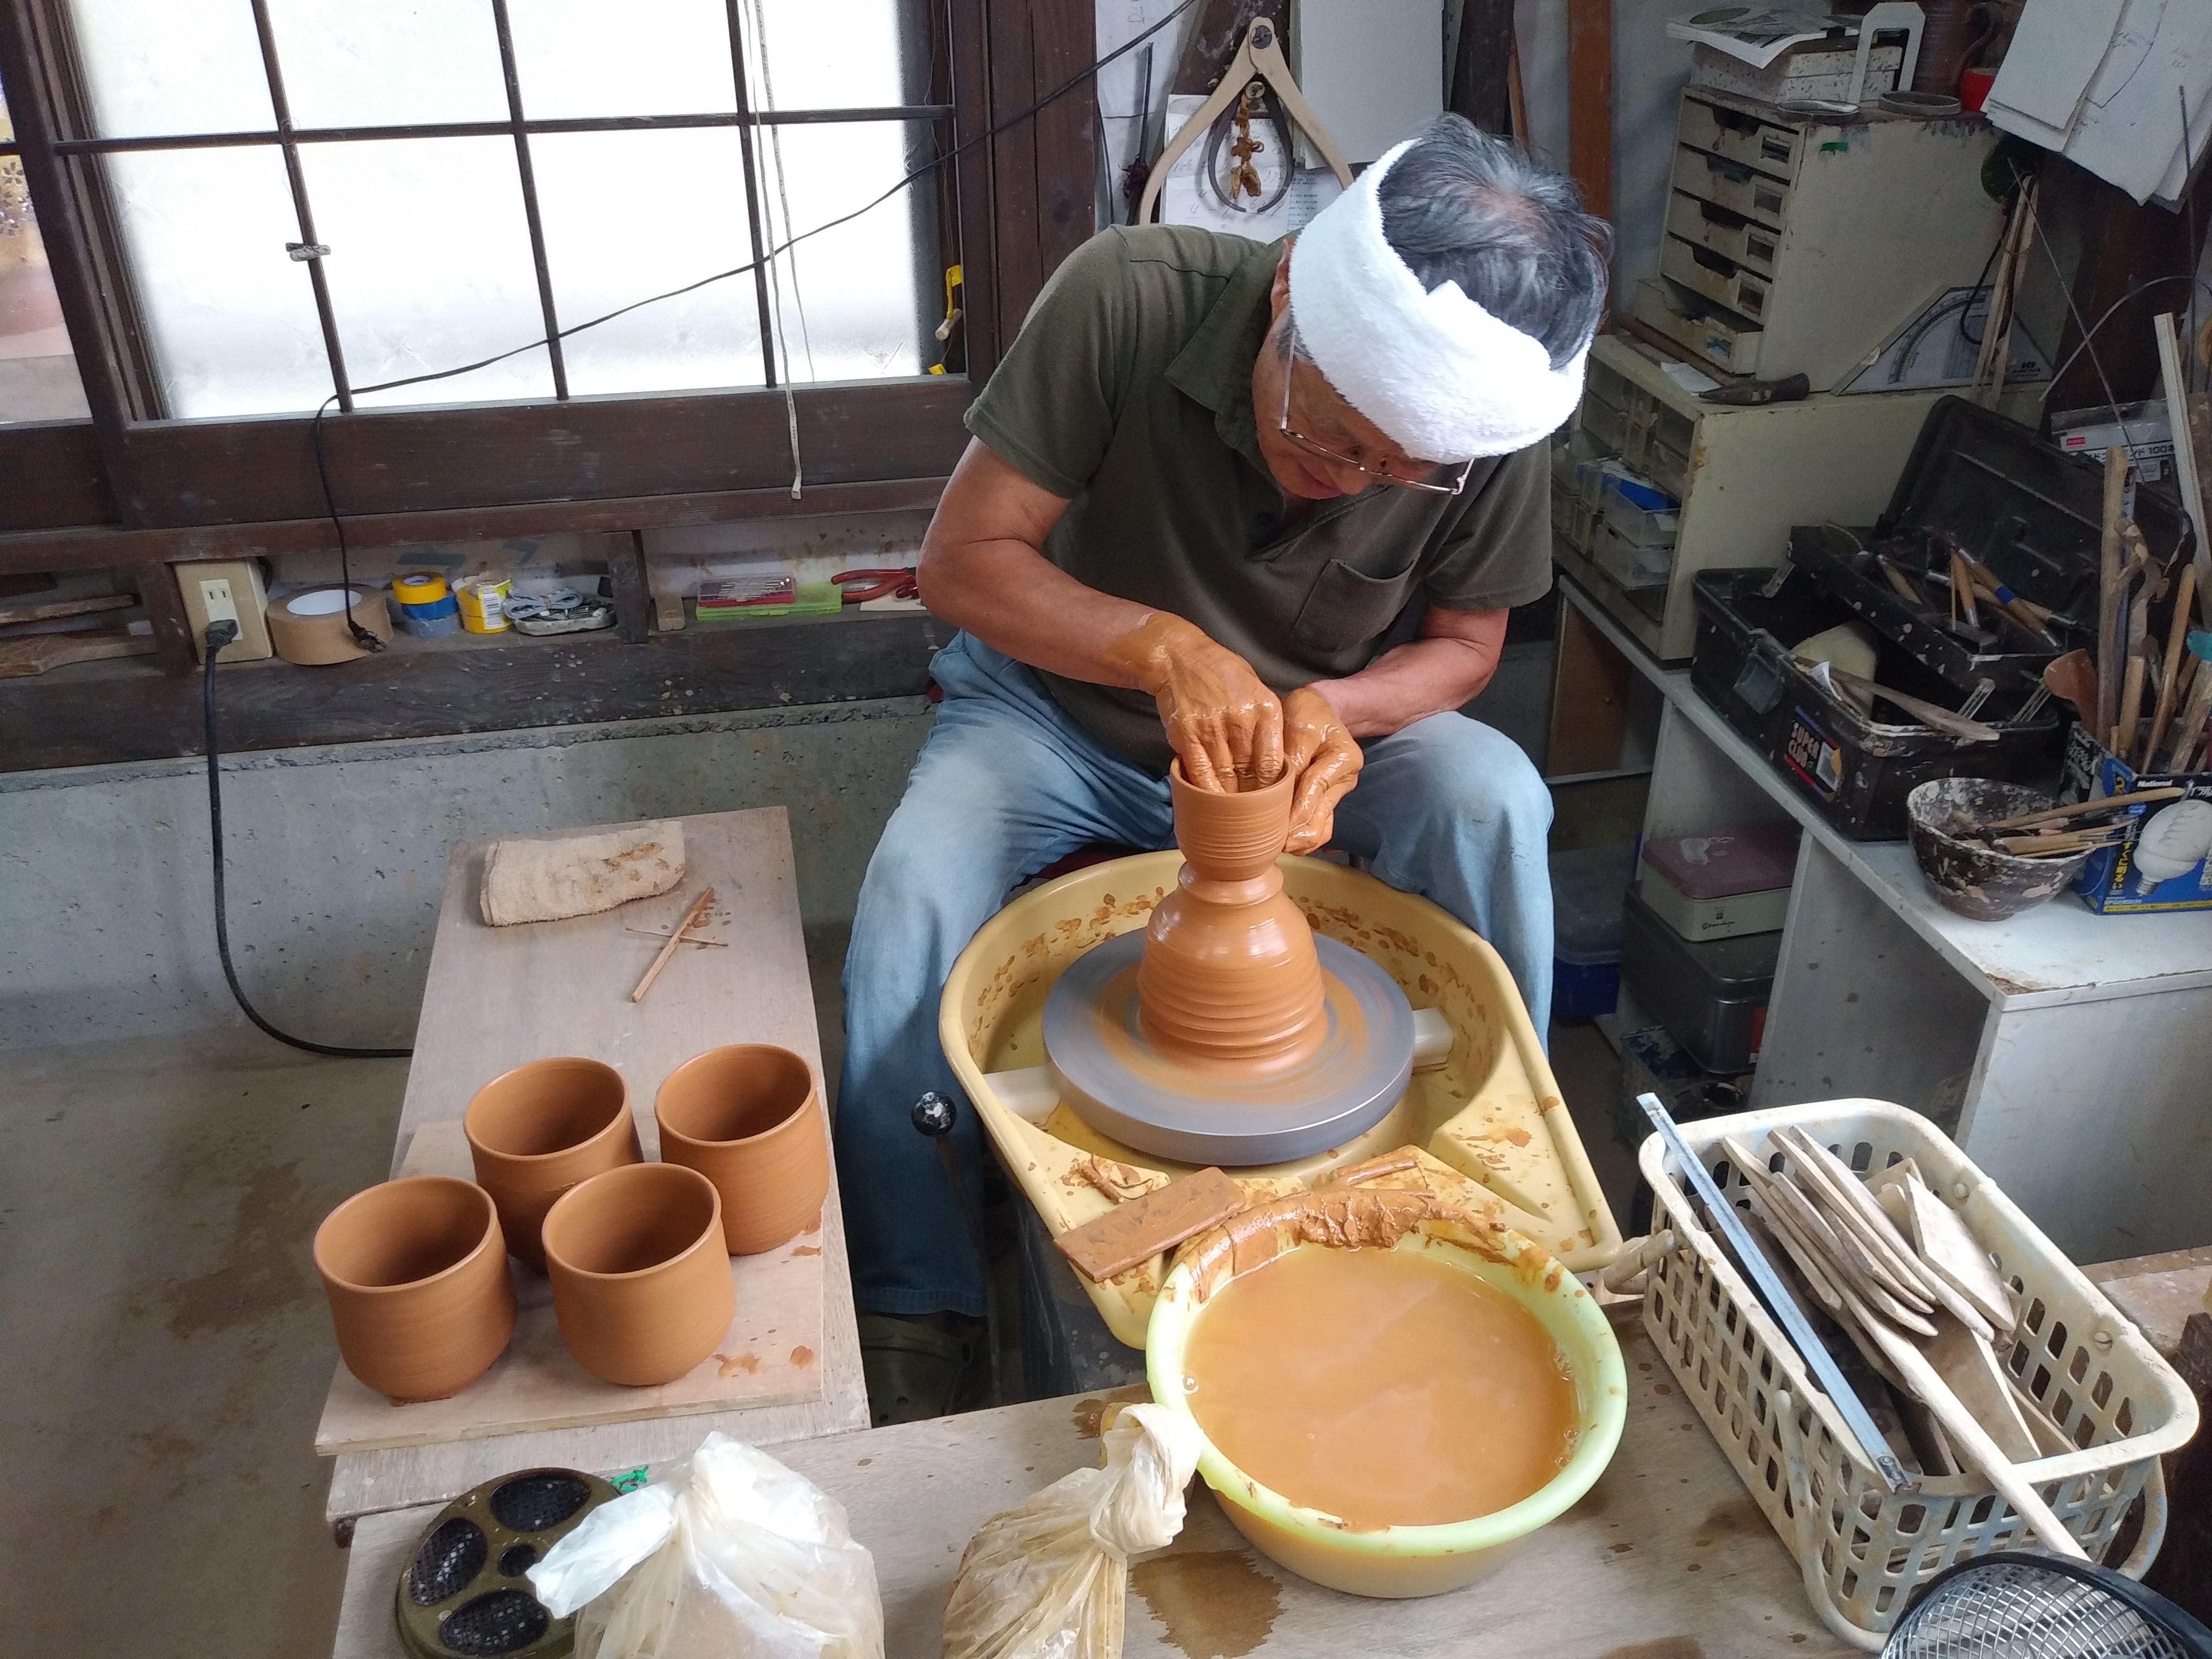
(914, 1370)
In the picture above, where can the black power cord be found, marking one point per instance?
(219, 634)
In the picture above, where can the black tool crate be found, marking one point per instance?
(1856, 767)
(2006, 497)
(1710, 994)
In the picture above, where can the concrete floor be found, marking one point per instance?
(165, 1344)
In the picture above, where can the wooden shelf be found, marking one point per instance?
(98, 714)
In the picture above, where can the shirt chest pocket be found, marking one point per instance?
(1347, 607)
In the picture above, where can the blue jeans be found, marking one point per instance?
(1008, 783)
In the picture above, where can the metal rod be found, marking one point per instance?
(282, 108)
(748, 119)
(500, 129)
(554, 355)
(1776, 1296)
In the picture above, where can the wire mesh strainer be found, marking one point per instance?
(2010, 1605)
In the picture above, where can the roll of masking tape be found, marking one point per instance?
(418, 587)
(483, 603)
(309, 626)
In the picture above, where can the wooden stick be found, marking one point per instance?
(2177, 641)
(2193, 717)
(690, 919)
(703, 944)
(2111, 595)
(12, 614)
(2083, 808)
(2040, 846)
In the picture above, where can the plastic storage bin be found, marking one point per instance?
(1864, 1550)
(1712, 993)
(1588, 887)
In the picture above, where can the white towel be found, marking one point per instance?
(1442, 377)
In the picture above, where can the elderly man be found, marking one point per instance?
(1259, 507)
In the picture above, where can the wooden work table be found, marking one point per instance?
(1667, 1557)
(497, 997)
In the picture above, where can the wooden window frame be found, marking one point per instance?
(123, 488)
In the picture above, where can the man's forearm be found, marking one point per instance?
(1427, 676)
(1016, 600)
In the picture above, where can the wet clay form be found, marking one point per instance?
(416, 1271)
(749, 1118)
(1229, 981)
(641, 1277)
(1227, 1032)
(538, 1130)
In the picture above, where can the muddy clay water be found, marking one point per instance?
(1386, 1387)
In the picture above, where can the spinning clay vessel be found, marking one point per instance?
(1229, 981)
(538, 1130)
(416, 1271)
(641, 1277)
(749, 1118)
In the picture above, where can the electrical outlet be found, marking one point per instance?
(216, 600)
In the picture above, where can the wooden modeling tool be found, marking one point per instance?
(2190, 730)
(2138, 643)
(1141, 1229)
(691, 919)
(2073, 678)
(2085, 808)
(2177, 654)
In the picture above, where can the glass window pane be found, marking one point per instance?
(852, 308)
(155, 68)
(669, 57)
(630, 214)
(38, 371)
(230, 316)
(347, 64)
(429, 266)
(824, 54)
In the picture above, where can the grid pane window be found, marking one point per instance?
(367, 183)
(624, 216)
(431, 266)
(350, 63)
(668, 58)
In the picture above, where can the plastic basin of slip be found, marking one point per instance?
(1410, 1561)
(1486, 1107)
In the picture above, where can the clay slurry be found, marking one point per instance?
(1382, 1387)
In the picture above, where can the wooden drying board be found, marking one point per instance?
(772, 1355)
(1668, 1557)
(497, 997)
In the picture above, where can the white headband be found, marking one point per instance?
(1442, 377)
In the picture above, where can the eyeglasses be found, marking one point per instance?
(1381, 476)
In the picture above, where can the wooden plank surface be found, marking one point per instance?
(771, 1355)
(1667, 1558)
(497, 997)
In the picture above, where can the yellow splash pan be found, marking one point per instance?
(1483, 1114)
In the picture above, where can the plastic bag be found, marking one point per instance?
(1049, 1579)
(733, 1558)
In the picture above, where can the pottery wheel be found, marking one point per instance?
(1112, 1077)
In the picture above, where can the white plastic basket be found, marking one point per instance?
(1863, 1550)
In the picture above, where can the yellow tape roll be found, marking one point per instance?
(308, 627)
(418, 587)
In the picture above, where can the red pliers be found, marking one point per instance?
(877, 585)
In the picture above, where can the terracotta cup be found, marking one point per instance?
(748, 1118)
(416, 1271)
(640, 1281)
(538, 1130)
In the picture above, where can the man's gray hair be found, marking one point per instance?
(1466, 206)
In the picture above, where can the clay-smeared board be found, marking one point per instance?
(498, 996)
(772, 1355)
(1140, 1228)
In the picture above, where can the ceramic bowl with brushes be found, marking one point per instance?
(1971, 865)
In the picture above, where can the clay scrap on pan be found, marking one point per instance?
(549, 880)
(1358, 1217)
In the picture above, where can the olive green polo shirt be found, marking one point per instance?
(1129, 391)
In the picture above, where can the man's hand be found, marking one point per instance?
(1221, 720)
(1326, 761)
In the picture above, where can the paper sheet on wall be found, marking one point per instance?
(1188, 197)
(2125, 125)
